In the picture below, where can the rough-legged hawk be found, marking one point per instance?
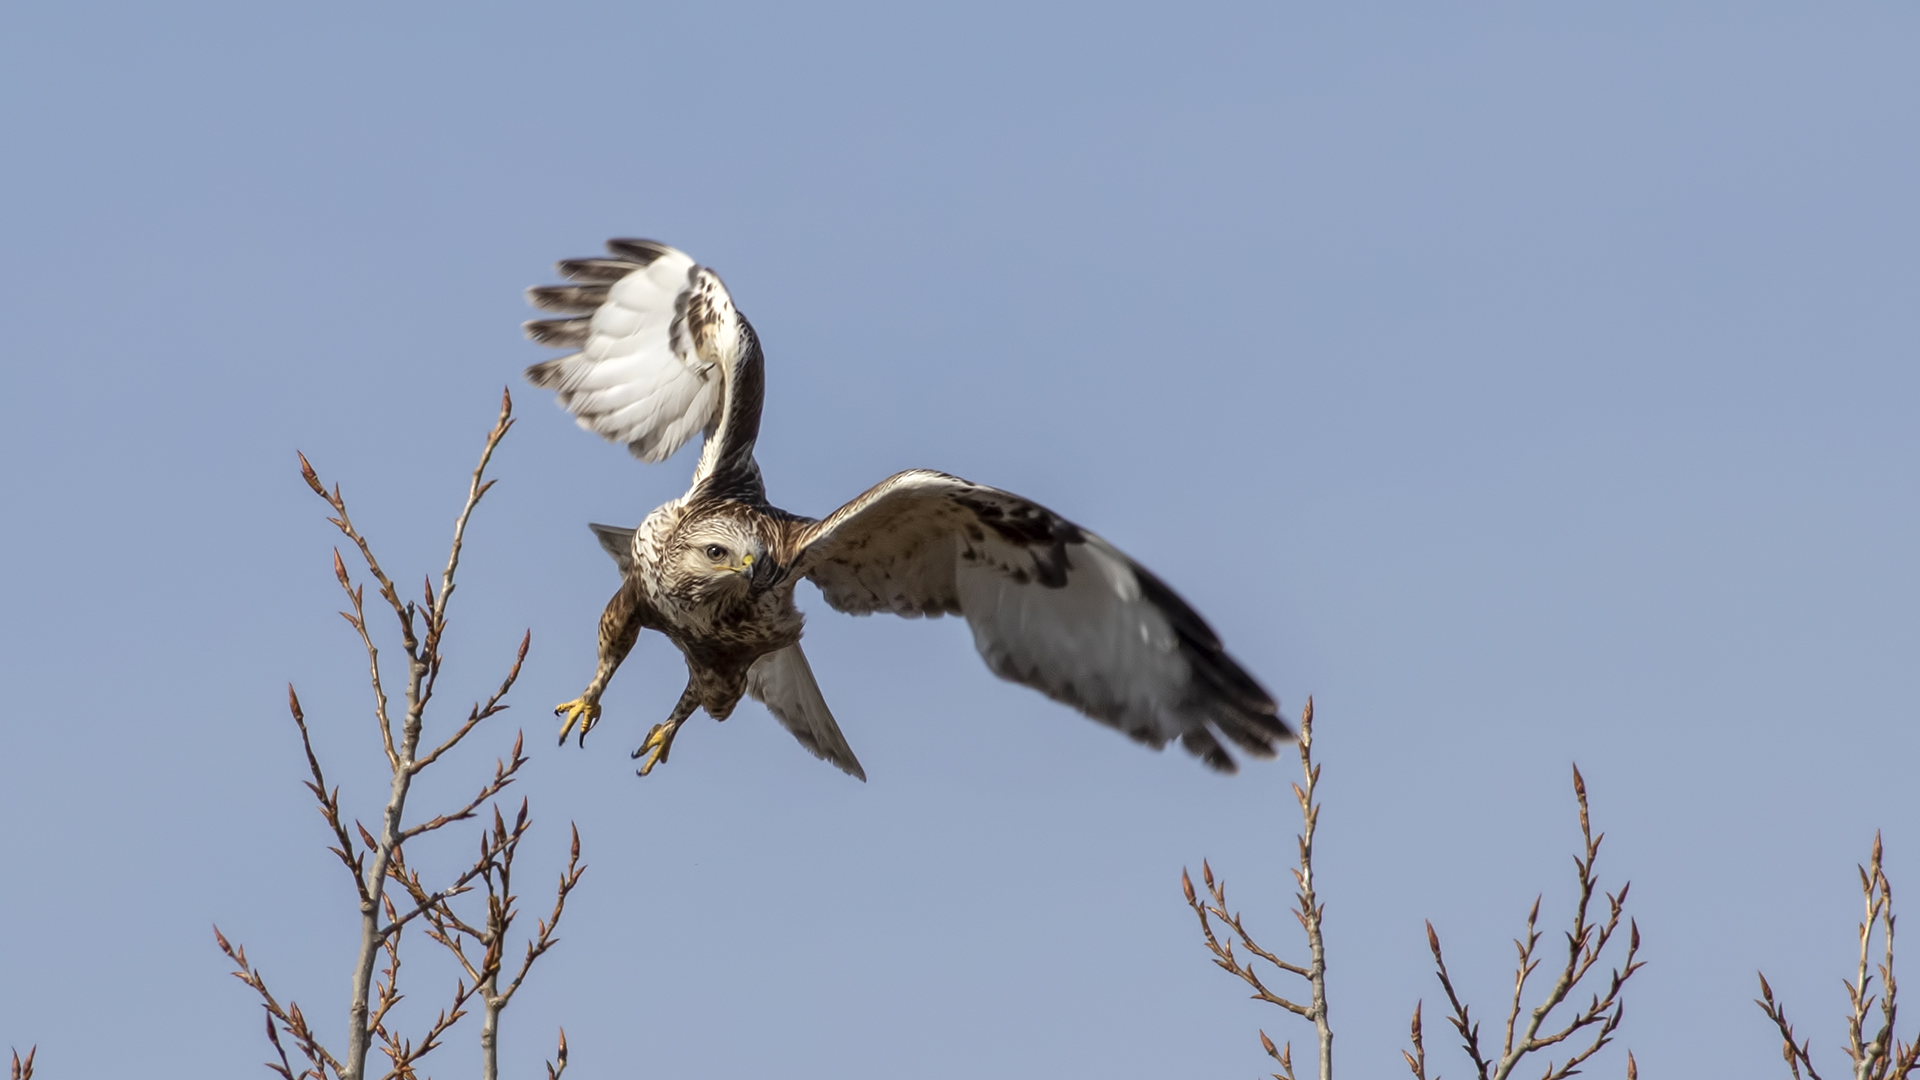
(660, 355)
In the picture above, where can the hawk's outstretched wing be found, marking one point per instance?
(638, 376)
(1051, 606)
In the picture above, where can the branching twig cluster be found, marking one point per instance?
(1307, 909)
(489, 937)
(1585, 944)
(1883, 1056)
(374, 857)
(23, 1068)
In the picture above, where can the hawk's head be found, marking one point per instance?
(717, 558)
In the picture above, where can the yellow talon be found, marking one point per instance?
(579, 710)
(658, 744)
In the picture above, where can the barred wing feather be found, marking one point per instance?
(1051, 605)
(636, 377)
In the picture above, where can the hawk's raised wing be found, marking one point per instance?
(638, 377)
(1051, 606)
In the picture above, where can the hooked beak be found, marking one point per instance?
(760, 573)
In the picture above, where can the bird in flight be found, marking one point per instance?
(661, 354)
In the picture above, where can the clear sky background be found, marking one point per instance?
(1529, 383)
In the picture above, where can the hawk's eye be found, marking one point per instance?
(716, 552)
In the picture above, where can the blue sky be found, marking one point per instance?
(1530, 384)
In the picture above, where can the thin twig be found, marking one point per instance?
(504, 772)
(1417, 1057)
(403, 1053)
(1796, 1054)
(494, 868)
(329, 800)
(1881, 1056)
(357, 618)
(285, 1067)
(1308, 911)
(289, 1018)
(1586, 944)
(545, 929)
(482, 712)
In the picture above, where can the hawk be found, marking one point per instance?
(659, 354)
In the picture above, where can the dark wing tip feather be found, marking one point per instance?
(546, 374)
(644, 252)
(1254, 732)
(568, 299)
(1232, 700)
(560, 333)
(1201, 744)
(604, 271)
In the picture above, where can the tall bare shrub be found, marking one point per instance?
(374, 858)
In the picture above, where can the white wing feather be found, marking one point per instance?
(637, 378)
(1051, 606)
(1094, 644)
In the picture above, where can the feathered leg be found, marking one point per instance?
(620, 627)
(659, 741)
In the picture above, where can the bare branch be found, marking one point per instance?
(503, 774)
(1522, 971)
(544, 938)
(329, 800)
(289, 1018)
(357, 618)
(1283, 1055)
(1796, 1054)
(1880, 1056)
(481, 712)
(424, 902)
(1308, 911)
(377, 856)
(1586, 944)
(284, 1068)
(344, 523)
(477, 489)
(1462, 1019)
(494, 869)
(1417, 1057)
(402, 1053)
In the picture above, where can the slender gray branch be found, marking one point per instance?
(1308, 910)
